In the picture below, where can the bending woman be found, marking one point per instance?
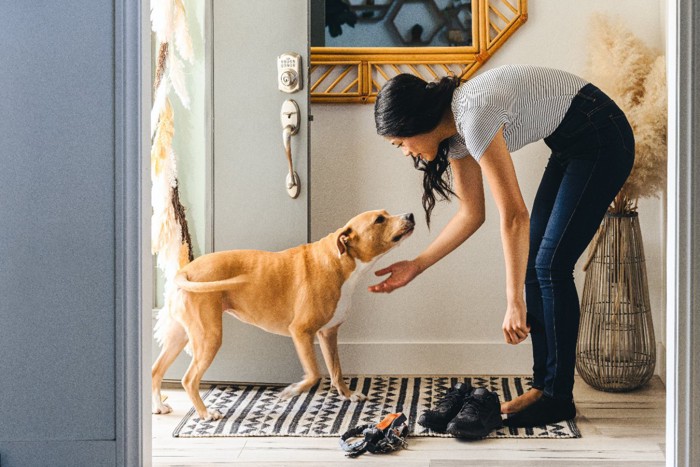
(457, 132)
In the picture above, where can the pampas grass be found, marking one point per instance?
(616, 346)
(183, 40)
(170, 239)
(177, 78)
(634, 76)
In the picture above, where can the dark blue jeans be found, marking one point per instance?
(592, 155)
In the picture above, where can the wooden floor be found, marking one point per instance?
(617, 430)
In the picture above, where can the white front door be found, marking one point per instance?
(252, 208)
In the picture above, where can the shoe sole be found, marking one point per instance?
(436, 428)
(471, 434)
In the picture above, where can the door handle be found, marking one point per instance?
(289, 116)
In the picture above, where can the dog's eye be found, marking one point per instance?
(379, 220)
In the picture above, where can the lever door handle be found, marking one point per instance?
(289, 116)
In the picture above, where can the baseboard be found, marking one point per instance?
(385, 358)
(461, 358)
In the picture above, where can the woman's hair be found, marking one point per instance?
(408, 106)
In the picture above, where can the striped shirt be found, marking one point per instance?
(529, 102)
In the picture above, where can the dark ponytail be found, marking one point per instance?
(407, 106)
(437, 178)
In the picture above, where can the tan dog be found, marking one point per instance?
(301, 292)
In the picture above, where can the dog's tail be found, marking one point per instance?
(182, 282)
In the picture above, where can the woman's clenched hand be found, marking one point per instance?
(515, 327)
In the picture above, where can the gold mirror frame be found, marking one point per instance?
(355, 74)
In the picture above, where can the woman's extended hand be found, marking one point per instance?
(515, 327)
(402, 273)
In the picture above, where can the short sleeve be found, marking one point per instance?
(457, 149)
(479, 126)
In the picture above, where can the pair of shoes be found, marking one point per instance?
(465, 412)
(545, 411)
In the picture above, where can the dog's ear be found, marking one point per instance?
(342, 241)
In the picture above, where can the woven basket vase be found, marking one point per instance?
(616, 346)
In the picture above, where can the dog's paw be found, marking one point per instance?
(212, 415)
(161, 409)
(356, 396)
(290, 391)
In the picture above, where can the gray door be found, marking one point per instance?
(251, 205)
(69, 233)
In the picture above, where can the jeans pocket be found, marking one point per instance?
(624, 130)
(602, 105)
(575, 123)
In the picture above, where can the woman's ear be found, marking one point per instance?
(342, 241)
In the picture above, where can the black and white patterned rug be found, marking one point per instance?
(258, 411)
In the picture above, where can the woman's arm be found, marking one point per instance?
(469, 188)
(497, 166)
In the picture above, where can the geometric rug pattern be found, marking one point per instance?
(256, 410)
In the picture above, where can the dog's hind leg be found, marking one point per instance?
(328, 339)
(205, 331)
(304, 344)
(174, 340)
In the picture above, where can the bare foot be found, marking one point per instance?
(521, 402)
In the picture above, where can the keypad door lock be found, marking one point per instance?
(289, 78)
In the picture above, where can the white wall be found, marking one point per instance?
(459, 301)
(448, 320)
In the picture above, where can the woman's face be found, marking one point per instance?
(424, 145)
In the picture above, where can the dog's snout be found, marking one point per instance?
(409, 217)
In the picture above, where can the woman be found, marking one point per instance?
(457, 132)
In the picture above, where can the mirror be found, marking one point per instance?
(358, 45)
(388, 23)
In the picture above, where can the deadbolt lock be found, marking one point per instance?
(289, 77)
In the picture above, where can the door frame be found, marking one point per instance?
(209, 126)
(134, 288)
(683, 236)
(133, 91)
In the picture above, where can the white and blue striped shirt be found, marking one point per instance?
(529, 102)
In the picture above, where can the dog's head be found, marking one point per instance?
(373, 233)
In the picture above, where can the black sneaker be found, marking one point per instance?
(446, 408)
(480, 414)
